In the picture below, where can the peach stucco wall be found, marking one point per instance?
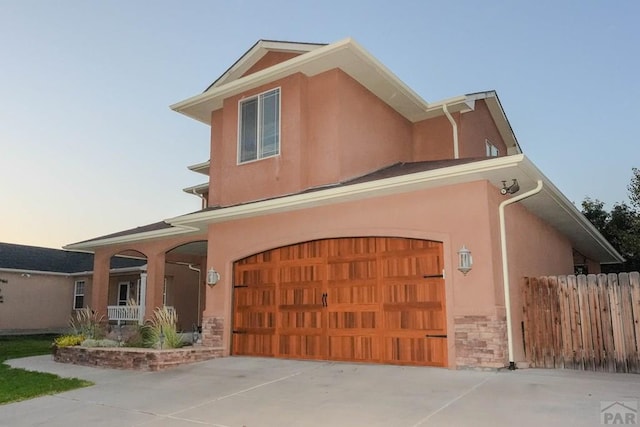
(182, 293)
(534, 248)
(232, 183)
(38, 302)
(371, 134)
(433, 139)
(455, 215)
(270, 59)
(474, 128)
(463, 214)
(333, 129)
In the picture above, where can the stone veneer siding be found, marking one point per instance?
(212, 331)
(134, 358)
(481, 341)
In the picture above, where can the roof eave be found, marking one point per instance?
(345, 54)
(572, 223)
(197, 189)
(256, 52)
(92, 245)
(551, 205)
(202, 167)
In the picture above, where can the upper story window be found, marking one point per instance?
(259, 126)
(78, 295)
(492, 150)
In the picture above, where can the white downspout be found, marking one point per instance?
(454, 125)
(143, 297)
(204, 201)
(191, 267)
(505, 266)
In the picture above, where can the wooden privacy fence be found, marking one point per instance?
(583, 322)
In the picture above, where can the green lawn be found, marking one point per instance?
(18, 384)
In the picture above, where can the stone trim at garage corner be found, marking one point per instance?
(481, 342)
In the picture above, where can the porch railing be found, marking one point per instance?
(127, 313)
(124, 313)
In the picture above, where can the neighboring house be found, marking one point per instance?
(338, 207)
(41, 287)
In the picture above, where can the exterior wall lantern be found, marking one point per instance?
(213, 277)
(465, 260)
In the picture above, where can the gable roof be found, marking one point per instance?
(354, 60)
(255, 53)
(37, 259)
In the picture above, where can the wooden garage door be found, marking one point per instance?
(366, 299)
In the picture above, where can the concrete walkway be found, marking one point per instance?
(251, 392)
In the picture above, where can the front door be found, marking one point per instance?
(123, 293)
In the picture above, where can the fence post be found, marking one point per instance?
(634, 283)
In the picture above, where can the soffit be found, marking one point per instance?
(550, 204)
(202, 168)
(347, 55)
(355, 61)
(197, 189)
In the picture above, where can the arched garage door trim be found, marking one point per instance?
(370, 299)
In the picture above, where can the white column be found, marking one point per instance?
(143, 296)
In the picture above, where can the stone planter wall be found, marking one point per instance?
(134, 358)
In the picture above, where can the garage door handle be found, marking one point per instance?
(435, 336)
(324, 300)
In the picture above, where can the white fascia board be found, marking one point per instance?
(403, 183)
(176, 230)
(76, 274)
(202, 168)
(139, 269)
(569, 208)
(197, 189)
(257, 51)
(466, 103)
(255, 79)
(367, 70)
(554, 207)
(458, 104)
(393, 80)
(47, 273)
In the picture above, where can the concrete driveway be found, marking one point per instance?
(239, 391)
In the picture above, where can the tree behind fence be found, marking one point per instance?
(583, 322)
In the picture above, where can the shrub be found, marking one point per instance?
(100, 343)
(68, 340)
(138, 338)
(88, 323)
(161, 331)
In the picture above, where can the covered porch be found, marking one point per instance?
(172, 278)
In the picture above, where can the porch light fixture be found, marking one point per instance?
(213, 277)
(465, 260)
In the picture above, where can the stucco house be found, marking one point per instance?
(346, 218)
(41, 287)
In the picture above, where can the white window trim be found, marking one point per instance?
(490, 148)
(259, 148)
(76, 294)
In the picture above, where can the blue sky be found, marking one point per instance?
(89, 146)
